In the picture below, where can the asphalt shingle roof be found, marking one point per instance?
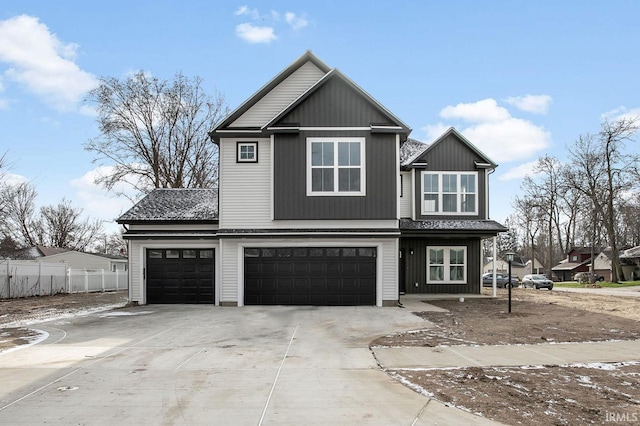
(175, 204)
(410, 150)
(452, 225)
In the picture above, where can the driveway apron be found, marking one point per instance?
(179, 364)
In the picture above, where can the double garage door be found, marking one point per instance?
(272, 276)
(310, 276)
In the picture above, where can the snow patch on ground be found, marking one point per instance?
(39, 336)
(46, 316)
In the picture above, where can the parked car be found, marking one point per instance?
(587, 277)
(537, 281)
(502, 280)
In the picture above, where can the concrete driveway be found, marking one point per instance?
(209, 365)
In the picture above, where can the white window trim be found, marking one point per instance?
(240, 145)
(447, 264)
(440, 193)
(335, 192)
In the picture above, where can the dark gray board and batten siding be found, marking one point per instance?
(290, 181)
(335, 104)
(453, 155)
(415, 266)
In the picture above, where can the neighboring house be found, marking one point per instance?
(323, 200)
(89, 261)
(36, 252)
(578, 260)
(519, 267)
(630, 260)
(602, 265)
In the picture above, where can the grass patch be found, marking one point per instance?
(604, 284)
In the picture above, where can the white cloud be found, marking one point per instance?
(493, 130)
(40, 62)
(538, 104)
(296, 22)
(518, 172)
(244, 10)
(476, 112)
(12, 178)
(620, 113)
(254, 34)
(95, 201)
(262, 28)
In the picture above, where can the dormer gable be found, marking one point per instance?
(451, 152)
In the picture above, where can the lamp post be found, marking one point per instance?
(509, 256)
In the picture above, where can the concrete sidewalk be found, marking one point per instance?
(501, 355)
(508, 355)
(633, 291)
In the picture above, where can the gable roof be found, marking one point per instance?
(174, 204)
(296, 93)
(35, 252)
(485, 163)
(307, 57)
(336, 74)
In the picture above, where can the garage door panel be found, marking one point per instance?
(180, 276)
(310, 276)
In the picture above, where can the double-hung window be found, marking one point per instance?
(450, 193)
(447, 265)
(335, 166)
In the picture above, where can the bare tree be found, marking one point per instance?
(20, 221)
(63, 226)
(603, 172)
(112, 244)
(527, 216)
(154, 132)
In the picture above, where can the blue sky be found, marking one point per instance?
(518, 79)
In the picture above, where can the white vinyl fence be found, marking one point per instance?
(25, 278)
(83, 281)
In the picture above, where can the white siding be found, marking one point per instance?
(136, 264)
(406, 201)
(137, 257)
(245, 188)
(388, 270)
(229, 271)
(79, 260)
(280, 97)
(232, 266)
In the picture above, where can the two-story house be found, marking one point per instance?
(322, 200)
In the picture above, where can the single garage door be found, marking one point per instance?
(310, 276)
(180, 276)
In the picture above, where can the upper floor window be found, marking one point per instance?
(247, 152)
(335, 166)
(450, 193)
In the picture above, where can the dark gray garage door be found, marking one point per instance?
(180, 276)
(310, 276)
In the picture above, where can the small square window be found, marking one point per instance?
(247, 152)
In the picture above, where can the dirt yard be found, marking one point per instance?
(540, 394)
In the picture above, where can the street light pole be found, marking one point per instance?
(509, 257)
